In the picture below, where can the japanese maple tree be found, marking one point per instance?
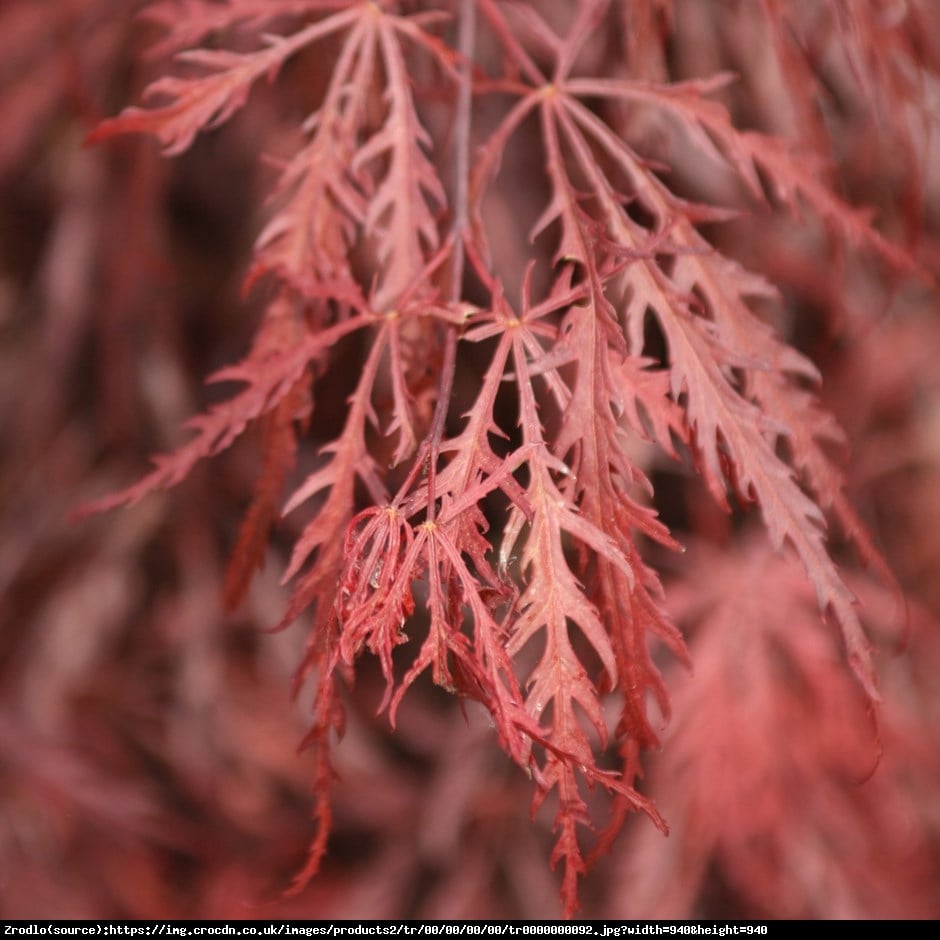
(500, 228)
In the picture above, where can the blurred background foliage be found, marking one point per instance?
(148, 739)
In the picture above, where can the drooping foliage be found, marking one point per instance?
(516, 217)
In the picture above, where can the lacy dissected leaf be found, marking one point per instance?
(268, 376)
(307, 242)
(790, 174)
(352, 179)
(348, 457)
(189, 22)
(198, 104)
(603, 471)
(559, 688)
(732, 433)
(398, 217)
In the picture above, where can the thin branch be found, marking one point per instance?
(465, 45)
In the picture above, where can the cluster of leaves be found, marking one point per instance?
(625, 251)
(519, 349)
